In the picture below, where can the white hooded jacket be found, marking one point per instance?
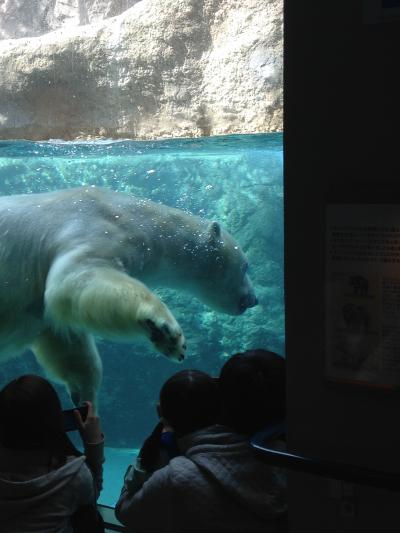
(219, 485)
(37, 499)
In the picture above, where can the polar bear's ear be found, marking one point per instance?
(214, 232)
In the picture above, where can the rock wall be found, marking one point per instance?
(30, 18)
(162, 68)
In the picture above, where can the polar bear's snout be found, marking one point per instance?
(247, 301)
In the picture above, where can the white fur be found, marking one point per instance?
(76, 262)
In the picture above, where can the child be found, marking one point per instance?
(44, 480)
(216, 484)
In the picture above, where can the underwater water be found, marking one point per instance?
(236, 180)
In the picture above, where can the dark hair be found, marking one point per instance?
(31, 418)
(189, 401)
(253, 390)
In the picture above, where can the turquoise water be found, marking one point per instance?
(236, 180)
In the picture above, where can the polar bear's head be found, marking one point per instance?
(221, 273)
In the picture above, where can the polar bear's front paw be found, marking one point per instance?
(168, 339)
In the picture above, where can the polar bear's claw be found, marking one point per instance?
(169, 342)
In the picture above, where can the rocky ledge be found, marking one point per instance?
(162, 68)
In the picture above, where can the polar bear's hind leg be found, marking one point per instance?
(73, 360)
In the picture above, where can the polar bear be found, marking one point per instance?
(77, 263)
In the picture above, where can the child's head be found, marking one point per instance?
(31, 416)
(189, 401)
(253, 390)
